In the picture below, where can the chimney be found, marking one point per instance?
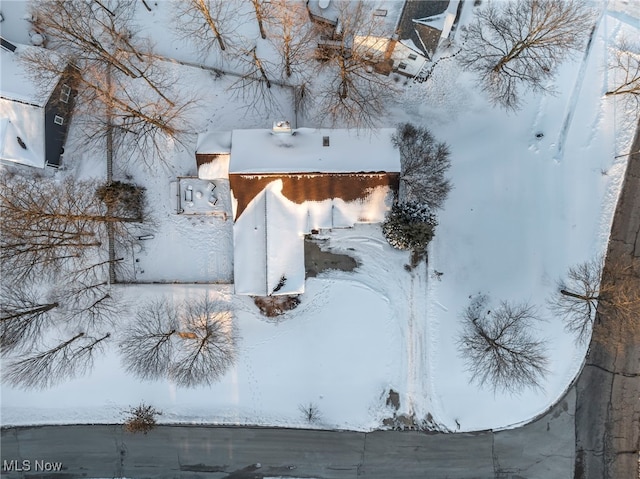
(282, 128)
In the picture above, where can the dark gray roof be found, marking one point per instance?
(409, 30)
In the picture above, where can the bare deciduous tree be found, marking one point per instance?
(627, 63)
(424, 163)
(262, 11)
(90, 304)
(121, 85)
(192, 344)
(498, 347)
(206, 22)
(577, 296)
(519, 45)
(208, 346)
(350, 91)
(255, 82)
(292, 35)
(48, 223)
(147, 347)
(66, 359)
(310, 412)
(93, 32)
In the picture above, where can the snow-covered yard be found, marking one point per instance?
(341, 350)
(534, 193)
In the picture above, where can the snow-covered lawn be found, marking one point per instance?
(341, 350)
(522, 211)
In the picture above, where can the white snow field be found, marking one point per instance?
(523, 209)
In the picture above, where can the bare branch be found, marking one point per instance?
(42, 369)
(24, 314)
(627, 66)
(192, 344)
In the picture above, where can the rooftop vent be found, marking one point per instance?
(282, 127)
(7, 45)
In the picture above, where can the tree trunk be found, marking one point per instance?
(37, 310)
(579, 296)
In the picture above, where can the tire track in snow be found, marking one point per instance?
(411, 362)
(575, 94)
(417, 379)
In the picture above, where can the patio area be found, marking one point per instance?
(194, 196)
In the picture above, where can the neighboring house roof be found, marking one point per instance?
(20, 120)
(15, 82)
(348, 151)
(384, 12)
(32, 153)
(415, 24)
(22, 109)
(268, 245)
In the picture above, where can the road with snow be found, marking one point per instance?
(608, 409)
(543, 449)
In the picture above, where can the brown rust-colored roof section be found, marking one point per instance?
(201, 158)
(311, 187)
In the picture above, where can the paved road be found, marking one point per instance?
(541, 450)
(608, 389)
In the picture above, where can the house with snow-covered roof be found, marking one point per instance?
(408, 33)
(34, 117)
(288, 183)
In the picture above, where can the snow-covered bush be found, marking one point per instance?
(409, 226)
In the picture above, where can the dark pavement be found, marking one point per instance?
(540, 450)
(608, 389)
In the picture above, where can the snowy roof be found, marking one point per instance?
(17, 85)
(20, 120)
(385, 13)
(269, 246)
(213, 142)
(213, 166)
(420, 24)
(348, 151)
(22, 113)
